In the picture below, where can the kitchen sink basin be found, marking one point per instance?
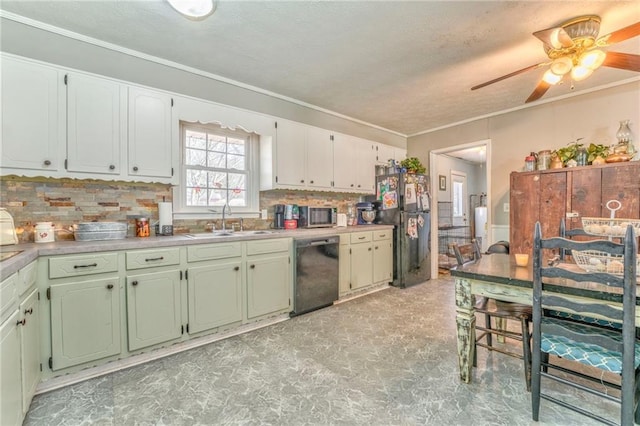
(201, 235)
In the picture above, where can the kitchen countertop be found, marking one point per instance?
(31, 251)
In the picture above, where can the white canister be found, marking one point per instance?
(44, 232)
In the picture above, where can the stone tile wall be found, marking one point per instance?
(68, 201)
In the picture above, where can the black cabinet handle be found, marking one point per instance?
(376, 247)
(28, 311)
(311, 182)
(252, 266)
(352, 185)
(134, 283)
(369, 248)
(109, 286)
(153, 259)
(361, 238)
(301, 180)
(91, 265)
(23, 322)
(112, 167)
(135, 168)
(47, 162)
(237, 268)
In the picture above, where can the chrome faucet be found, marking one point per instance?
(224, 209)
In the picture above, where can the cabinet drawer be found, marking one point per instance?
(213, 251)
(27, 277)
(267, 246)
(382, 235)
(71, 266)
(153, 258)
(8, 297)
(360, 237)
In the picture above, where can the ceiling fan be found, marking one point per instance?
(574, 49)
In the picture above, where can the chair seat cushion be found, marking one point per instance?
(586, 353)
(585, 319)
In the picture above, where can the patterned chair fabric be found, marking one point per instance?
(601, 335)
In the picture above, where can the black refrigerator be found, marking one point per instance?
(405, 202)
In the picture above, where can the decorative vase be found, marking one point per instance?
(624, 137)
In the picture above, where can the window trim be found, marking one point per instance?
(182, 211)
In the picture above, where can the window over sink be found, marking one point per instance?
(218, 167)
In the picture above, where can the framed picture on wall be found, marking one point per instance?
(442, 181)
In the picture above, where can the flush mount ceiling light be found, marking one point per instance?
(574, 49)
(195, 10)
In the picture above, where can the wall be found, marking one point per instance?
(593, 116)
(68, 201)
(31, 42)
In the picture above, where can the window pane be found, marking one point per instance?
(237, 181)
(196, 178)
(218, 180)
(196, 197)
(196, 139)
(217, 143)
(195, 157)
(457, 199)
(216, 160)
(236, 146)
(235, 162)
(238, 198)
(217, 197)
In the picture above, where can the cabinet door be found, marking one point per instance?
(365, 166)
(153, 308)
(290, 155)
(344, 265)
(553, 203)
(622, 183)
(361, 265)
(85, 321)
(11, 383)
(33, 116)
(30, 347)
(93, 123)
(319, 158)
(384, 153)
(149, 133)
(382, 261)
(524, 201)
(585, 189)
(268, 284)
(344, 158)
(215, 295)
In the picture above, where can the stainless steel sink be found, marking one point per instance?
(202, 235)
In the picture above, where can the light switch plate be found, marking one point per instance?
(505, 207)
(263, 214)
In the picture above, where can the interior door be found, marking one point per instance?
(459, 198)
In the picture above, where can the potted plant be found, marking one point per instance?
(413, 165)
(597, 153)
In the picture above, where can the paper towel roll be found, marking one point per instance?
(165, 213)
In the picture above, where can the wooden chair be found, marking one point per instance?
(501, 311)
(609, 349)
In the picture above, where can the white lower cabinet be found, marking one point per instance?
(361, 260)
(215, 294)
(153, 308)
(382, 256)
(269, 277)
(85, 321)
(366, 259)
(11, 383)
(30, 347)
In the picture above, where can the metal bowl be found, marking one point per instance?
(368, 215)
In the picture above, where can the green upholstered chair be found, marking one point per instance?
(585, 342)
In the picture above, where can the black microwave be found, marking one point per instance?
(317, 217)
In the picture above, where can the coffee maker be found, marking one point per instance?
(278, 216)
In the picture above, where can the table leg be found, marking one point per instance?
(466, 327)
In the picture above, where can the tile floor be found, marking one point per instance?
(388, 358)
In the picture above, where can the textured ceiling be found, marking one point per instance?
(404, 66)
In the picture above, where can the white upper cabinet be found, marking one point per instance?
(319, 158)
(384, 153)
(149, 134)
(94, 124)
(365, 165)
(290, 154)
(344, 155)
(33, 116)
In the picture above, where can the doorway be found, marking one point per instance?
(461, 174)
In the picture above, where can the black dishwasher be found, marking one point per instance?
(316, 274)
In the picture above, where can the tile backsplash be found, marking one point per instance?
(68, 201)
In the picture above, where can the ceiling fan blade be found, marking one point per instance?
(495, 80)
(554, 37)
(622, 34)
(538, 92)
(623, 61)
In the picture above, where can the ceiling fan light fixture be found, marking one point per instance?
(194, 9)
(551, 77)
(561, 66)
(592, 59)
(580, 72)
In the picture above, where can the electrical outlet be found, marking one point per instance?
(505, 207)
(263, 214)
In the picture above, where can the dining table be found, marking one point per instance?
(498, 277)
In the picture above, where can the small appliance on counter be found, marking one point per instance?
(365, 213)
(317, 217)
(278, 216)
(7, 229)
(44, 232)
